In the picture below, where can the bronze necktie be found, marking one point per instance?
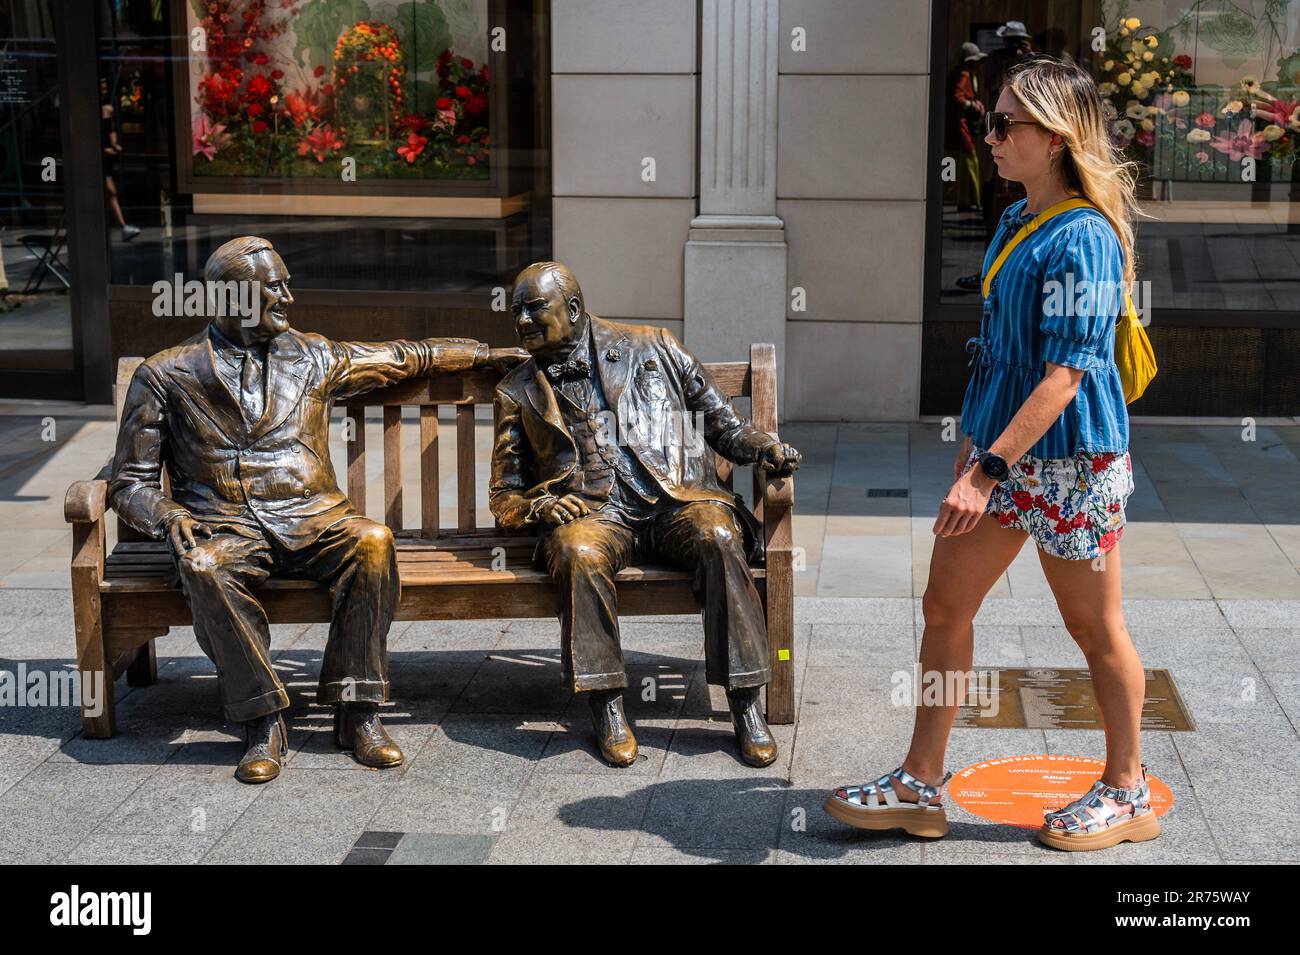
(252, 380)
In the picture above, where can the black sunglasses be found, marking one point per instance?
(999, 124)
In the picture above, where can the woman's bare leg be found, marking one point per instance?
(963, 569)
(1089, 598)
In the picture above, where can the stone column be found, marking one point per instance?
(735, 279)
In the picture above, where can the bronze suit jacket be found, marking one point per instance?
(534, 456)
(277, 474)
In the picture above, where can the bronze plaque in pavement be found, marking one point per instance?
(1053, 698)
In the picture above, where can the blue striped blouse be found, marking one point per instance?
(1040, 310)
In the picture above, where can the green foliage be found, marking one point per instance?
(424, 33)
(319, 24)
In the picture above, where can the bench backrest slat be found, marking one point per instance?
(393, 466)
(465, 489)
(735, 379)
(429, 471)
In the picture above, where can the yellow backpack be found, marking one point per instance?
(1133, 353)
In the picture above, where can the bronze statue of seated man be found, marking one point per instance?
(591, 451)
(240, 414)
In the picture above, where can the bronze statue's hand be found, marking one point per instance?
(564, 509)
(181, 529)
(780, 459)
(503, 359)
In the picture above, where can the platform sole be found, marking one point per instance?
(1141, 829)
(927, 823)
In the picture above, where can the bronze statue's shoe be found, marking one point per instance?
(268, 745)
(757, 746)
(617, 744)
(357, 727)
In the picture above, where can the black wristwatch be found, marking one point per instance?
(994, 466)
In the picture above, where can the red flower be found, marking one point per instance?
(319, 71)
(1027, 468)
(1183, 60)
(277, 74)
(1039, 501)
(1113, 507)
(462, 91)
(1024, 500)
(261, 59)
(411, 122)
(319, 142)
(462, 138)
(444, 102)
(414, 146)
(1005, 519)
(1101, 462)
(475, 104)
(1063, 527)
(259, 86)
(1107, 541)
(259, 127)
(255, 109)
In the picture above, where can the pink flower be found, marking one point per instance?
(1145, 137)
(1202, 157)
(1244, 143)
(1205, 121)
(208, 138)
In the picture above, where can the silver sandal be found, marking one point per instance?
(1090, 823)
(860, 806)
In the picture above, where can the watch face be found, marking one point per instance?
(994, 466)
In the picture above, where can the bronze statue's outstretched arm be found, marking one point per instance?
(726, 431)
(362, 366)
(135, 487)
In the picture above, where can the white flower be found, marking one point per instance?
(1124, 129)
(1135, 110)
(1233, 108)
(1199, 136)
(1249, 83)
(1107, 89)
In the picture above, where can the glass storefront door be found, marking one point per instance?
(35, 313)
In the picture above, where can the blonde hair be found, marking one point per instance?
(1063, 97)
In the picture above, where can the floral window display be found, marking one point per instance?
(1211, 93)
(289, 89)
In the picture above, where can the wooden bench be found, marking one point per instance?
(124, 599)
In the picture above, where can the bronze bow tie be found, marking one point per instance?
(572, 369)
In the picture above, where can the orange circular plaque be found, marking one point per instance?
(1020, 790)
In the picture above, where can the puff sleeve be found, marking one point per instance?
(1083, 292)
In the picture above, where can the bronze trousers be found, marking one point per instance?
(354, 557)
(583, 556)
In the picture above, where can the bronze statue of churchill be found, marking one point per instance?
(239, 413)
(592, 450)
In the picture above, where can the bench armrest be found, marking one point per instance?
(778, 492)
(86, 501)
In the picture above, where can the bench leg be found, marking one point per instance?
(780, 636)
(97, 718)
(143, 669)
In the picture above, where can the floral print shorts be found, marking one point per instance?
(1071, 507)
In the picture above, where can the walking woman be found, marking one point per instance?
(1045, 455)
